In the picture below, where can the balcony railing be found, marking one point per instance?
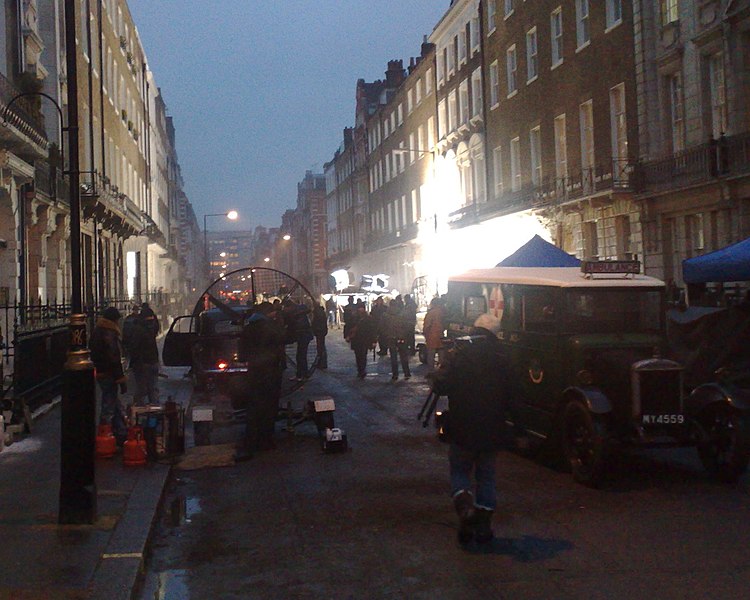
(380, 240)
(728, 156)
(50, 181)
(22, 114)
(615, 175)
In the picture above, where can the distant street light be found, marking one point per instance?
(232, 215)
(286, 237)
(266, 259)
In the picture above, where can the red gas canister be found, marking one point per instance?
(106, 445)
(134, 449)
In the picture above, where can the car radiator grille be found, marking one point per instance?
(660, 392)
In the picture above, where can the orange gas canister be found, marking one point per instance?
(106, 445)
(134, 448)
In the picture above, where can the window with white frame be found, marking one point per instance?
(695, 233)
(451, 62)
(463, 101)
(511, 61)
(427, 85)
(461, 47)
(532, 57)
(586, 112)
(478, 173)
(556, 36)
(412, 147)
(583, 36)
(440, 68)
(497, 170)
(618, 122)
(414, 206)
(509, 7)
(400, 113)
(491, 15)
(475, 33)
(561, 149)
(535, 145)
(676, 111)
(717, 86)
(614, 13)
(430, 133)
(418, 91)
(442, 118)
(476, 92)
(401, 157)
(452, 111)
(421, 142)
(410, 101)
(494, 85)
(515, 164)
(669, 11)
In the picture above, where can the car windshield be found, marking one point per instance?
(622, 310)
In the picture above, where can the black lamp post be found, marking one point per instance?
(78, 414)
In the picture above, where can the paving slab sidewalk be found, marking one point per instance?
(41, 559)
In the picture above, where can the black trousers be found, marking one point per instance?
(264, 392)
(399, 352)
(360, 356)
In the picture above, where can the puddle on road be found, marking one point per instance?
(182, 510)
(168, 585)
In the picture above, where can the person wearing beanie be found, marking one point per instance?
(476, 377)
(106, 354)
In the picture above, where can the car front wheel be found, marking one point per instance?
(723, 448)
(584, 444)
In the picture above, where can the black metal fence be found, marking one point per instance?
(36, 342)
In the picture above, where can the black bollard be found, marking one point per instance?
(78, 431)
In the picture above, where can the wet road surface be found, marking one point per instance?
(377, 522)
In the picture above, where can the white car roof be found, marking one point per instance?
(568, 277)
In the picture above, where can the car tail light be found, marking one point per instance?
(222, 364)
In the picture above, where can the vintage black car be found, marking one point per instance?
(588, 350)
(209, 344)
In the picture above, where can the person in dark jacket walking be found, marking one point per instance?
(378, 310)
(262, 346)
(475, 376)
(144, 358)
(410, 323)
(106, 354)
(362, 338)
(299, 330)
(320, 331)
(394, 330)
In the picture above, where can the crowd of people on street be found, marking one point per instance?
(473, 375)
(388, 327)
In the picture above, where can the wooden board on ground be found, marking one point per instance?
(204, 457)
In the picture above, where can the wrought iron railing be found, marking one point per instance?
(22, 114)
(727, 156)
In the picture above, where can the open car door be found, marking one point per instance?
(178, 343)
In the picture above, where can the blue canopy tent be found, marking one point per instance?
(538, 252)
(728, 264)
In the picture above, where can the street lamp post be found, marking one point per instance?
(78, 412)
(232, 215)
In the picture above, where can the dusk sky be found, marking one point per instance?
(260, 91)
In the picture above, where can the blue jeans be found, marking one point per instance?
(111, 411)
(462, 463)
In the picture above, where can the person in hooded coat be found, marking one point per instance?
(476, 377)
(106, 354)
